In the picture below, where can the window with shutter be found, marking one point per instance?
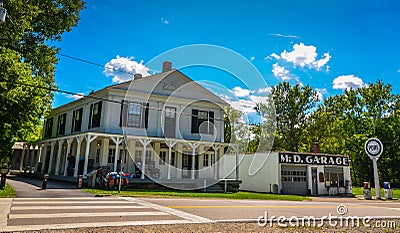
(61, 124)
(95, 115)
(138, 115)
(202, 121)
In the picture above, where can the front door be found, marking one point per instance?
(170, 122)
(314, 181)
(187, 160)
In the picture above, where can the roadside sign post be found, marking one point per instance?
(374, 149)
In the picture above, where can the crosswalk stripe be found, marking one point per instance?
(75, 207)
(69, 215)
(93, 224)
(68, 202)
(181, 214)
(35, 209)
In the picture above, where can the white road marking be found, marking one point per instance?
(181, 214)
(5, 207)
(68, 202)
(64, 204)
(92, 224)
(74, 215)
(73, 207)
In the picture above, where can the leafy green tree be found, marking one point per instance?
(27, 64)
(236, 130)
(344, 122)
(293, 105)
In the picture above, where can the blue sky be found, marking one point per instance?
(328, 45)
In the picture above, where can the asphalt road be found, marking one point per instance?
(245, 210)
(27, 187)
(62, 206)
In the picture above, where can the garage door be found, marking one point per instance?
(294, 180)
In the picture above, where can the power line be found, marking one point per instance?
(107, 100)
(158, 21)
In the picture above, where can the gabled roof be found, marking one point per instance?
(153, 81)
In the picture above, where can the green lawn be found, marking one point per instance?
(193, 194)
(7, 192)
(360, 191)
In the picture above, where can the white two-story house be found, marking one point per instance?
(174, 130)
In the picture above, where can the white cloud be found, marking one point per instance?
(76, 96)
(123, 68)
(244, 100)
(265, 90)
(347, 81)
(240, 92)
(321, 62)
(252, 58)
(165, 21)
(273, 55)
(398, 71)
(303, 56)
(321, 92)
(286, 36)
(280, 72)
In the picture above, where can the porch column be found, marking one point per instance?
(39, 155)
(89, 140)
(117, 141)
(31, 158)
(78, 152)
(144, 142)
(27, 157)
(52, 144)
(44, 157)
(194, 147)
(104, 151)
(58, 158)
(69, 141)
(21, 164)
(216, 149)
(170, 145)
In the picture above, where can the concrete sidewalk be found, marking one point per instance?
(31, 187)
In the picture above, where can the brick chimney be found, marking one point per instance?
(166, 66)
(316, 147)
(137, 76)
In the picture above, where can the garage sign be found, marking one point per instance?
(313, 159)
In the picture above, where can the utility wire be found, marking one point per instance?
(158, 21)
(107, 100)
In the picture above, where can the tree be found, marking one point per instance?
(293, 105)
(27, 64)
(344, 122)
(236, 130)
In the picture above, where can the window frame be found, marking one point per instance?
(61, 125)
(138, 116)
(200, 117)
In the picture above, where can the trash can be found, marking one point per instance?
(387, 190)
(79, 182)
(44, 181)
(367, 191)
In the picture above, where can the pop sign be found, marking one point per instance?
(373, 148)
